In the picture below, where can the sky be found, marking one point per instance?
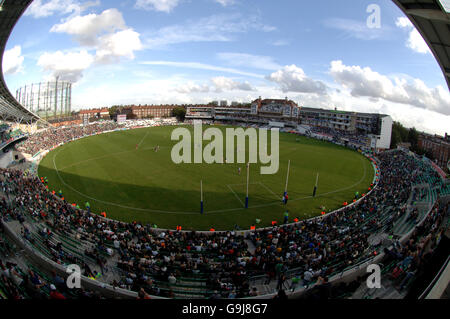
(353, 55)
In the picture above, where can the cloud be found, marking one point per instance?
(191, 87)
(107, 33)
(43, 9)
(249, 60)
(364, 82)
(157, 5)
(222, 83)
(13, 60)
(86, 29)
(121, 44)
(66, 66)
(225, 2)
(216, 28)
(409, 115)
(293, 79)
(280, 43)
(403, 22)
(358, 29)
(201, 66)
(415, 41)
(218, 85)
(153, 91)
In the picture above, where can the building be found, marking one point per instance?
(151, 111)
(438, 146)
(258, 112)
(284, 113)
(377, 127)
(86, 115)
(275, 109)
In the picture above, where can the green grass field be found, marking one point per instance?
(146, 186)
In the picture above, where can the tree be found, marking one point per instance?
(113, 110)
(401, 134)
(179, 113)
(395, 139)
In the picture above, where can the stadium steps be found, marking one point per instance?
(69, 245)
(404, 226)
(250, 246)
(188, 282)
(400, 226)
(66, 245)
(66, 249)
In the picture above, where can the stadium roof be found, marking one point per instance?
(432, 20)
(10, 109)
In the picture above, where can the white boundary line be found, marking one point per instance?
(235, 195)
(148, 131)
(264, 185)
(255, 183)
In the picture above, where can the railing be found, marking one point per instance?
(428, 292)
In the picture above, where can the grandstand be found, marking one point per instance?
(363, 130)
(399, 224)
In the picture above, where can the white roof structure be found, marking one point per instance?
(10, 109)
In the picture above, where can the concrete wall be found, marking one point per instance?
(386, 132)
(6, 159)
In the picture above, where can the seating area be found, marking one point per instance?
(404, 262)
(20, 279)
(50, 138)
(177, 264)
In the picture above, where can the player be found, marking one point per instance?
(286, 217)
(137, 146)
(239, 171)
(284, 199)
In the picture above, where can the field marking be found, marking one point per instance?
(235, 195)
(107, 155)
(264, 185)
(94, 158)
(195, 213)
(254, 183)
(148, 131)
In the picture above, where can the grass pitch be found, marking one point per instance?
(146, 186)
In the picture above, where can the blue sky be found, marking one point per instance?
(318, 53)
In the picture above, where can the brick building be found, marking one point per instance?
(439, 146)
(94, 113)
(151, 111)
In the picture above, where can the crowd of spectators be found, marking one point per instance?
(4, 133)
(323, 246)
(26, 282)
(407, 259)
(151, 262)
(7, 135)
(340, 136)
(400, 266)
(50, 138)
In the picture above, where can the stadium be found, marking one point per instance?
(107, 197)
